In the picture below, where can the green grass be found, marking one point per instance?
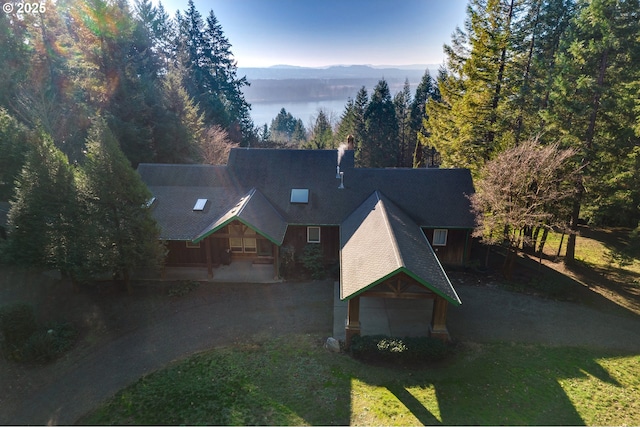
(293, 380)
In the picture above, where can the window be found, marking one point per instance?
(244, 240)
(299, 195)
(235, 244)
(200, 204)
(192, 245)
(439, 237)
(313, 234)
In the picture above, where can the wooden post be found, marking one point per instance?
(276, 261)
(207, 249)
(353, 320)
(438, 327)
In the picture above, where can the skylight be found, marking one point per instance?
(299, 195)
(199, 206)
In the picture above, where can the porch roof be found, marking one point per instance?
(378, 241)
(255, 211)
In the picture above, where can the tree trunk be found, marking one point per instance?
(543, 240)
(493, 118)
(591, 129)
(525, 83)
(509, 262)
(560, 246)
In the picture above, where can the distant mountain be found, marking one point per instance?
(285, 72)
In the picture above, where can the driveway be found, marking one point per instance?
(221, 314)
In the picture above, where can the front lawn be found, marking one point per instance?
(294, 381)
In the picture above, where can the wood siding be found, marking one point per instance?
(456, 251)
(296, 237)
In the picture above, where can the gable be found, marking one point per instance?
(378, 241)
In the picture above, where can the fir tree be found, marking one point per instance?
(379, 149)
(123, 233)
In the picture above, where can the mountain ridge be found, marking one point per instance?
(286, 72)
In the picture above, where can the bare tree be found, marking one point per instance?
(523, 188)
(215, 145)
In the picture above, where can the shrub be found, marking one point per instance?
(46, 345)
(182, 288)
(380, 348)
(17, 324)
(313, 260)
(287, 260)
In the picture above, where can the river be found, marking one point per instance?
(264, 112)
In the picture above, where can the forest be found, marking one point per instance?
(90, 86)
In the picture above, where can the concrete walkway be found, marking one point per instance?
(384, 316)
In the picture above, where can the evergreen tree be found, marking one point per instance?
(286, 129)
(180, 125)
(402, 104)
(14, 145)
(14, 55)
(379, 149)
(427, 89)
(211, 73)
(123, 233)
(322, 133)
(592, 108)
(468, 126)
(44, 219)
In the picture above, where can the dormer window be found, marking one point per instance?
(200, 204)
(299, 195)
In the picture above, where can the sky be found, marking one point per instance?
(320, 33)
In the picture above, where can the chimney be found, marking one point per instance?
(350, 142)
(341, 186)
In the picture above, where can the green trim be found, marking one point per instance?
(410, 274)
(236, 218)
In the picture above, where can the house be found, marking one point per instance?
(390, 230)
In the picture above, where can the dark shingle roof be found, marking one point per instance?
(378, 240)
(430, 197)
(254, 210)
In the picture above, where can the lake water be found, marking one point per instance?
(264, 112)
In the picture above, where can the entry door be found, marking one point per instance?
(265, 248)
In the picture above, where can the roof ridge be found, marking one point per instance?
(396, 249)
(245, 202)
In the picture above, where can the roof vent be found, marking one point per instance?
(200, 204)
(299, 195)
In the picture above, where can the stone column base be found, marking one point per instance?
(440, 333)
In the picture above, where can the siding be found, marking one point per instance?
(456, 251)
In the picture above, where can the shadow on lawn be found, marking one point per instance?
(610, 290)
(490, 385)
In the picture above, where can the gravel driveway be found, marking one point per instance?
(158, 332)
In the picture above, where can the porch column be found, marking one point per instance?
(276, 261)
(353, 320)
(438, 326)
(207, 250)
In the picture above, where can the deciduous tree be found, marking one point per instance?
(523, 187)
